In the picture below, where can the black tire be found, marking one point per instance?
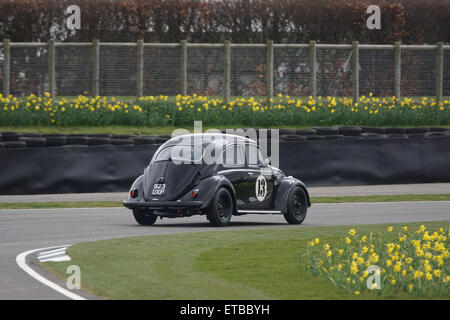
(372, 135)
(297, 206)
(122, 142)
(323, 131)
(11, 136)
(98, 141)
(312, 137)
(435, 135)
(349, 130)
(56, 141)
(77, 139)
(373, 130)
(221, 209)
(34, 142)
(15, 144)
(124, 136)
(306, 132)
(291, 137)
(144, 140)
(144, 217)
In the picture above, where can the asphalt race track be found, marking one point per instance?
(22, 230)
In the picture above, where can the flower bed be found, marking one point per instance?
(246, 111)
(405, 261)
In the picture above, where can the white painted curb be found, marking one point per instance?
(21, 262)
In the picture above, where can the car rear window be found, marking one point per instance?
(181, 153)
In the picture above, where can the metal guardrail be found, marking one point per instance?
(308, 53)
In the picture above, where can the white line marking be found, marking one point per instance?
(62, 252)
(57, 259)
(21, 262)
(51, 251)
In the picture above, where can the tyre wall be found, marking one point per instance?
(112, 168)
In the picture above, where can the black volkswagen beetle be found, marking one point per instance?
(217, 175)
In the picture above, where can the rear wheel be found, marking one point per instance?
(297, 206)
(221, 208)
(144, 217)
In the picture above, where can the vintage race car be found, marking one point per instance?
(217, 175)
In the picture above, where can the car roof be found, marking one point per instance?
(204, 139)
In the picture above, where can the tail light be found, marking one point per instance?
(194, 193)
(133, 193)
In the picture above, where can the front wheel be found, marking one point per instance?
(297, 205)
(144, 217)
(221, 208)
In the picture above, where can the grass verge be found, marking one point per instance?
(349, 199)
(243, 264)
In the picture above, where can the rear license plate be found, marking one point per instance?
(158, 189)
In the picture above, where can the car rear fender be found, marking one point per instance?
(283, 191)
(207, 188)
(137, 185)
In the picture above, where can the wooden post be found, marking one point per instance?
(398, 70)
(51, 68)
(269, 70)
(355, 70)
(227, 71)
(6, 66)
(312, 69)
(184, 67)
(95, 67)
(140, 68)
(439, 71)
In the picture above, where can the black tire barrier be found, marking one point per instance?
(287, 132)
(54, 135)
(397, 136)
(122, 142)
(373, 130)
(349, 131)
(326, 131)
(100, 135)
(11, 136)
(124, 136)
(373, 135)
(34, 142)
(415, 135)
(313, 137)
(163, 137)
(291, 137)
(140, 140)
(56, 140)
(395, 130)
(74, 169)
(334, 137)
(435, 135)
(353, 138)
(417, 130)
(77, 140)
(344, 133)
(438, 129)
(31, 135)
(306, 132)
(15, 144)
(98, 141)
(75, 146)
(2, 145)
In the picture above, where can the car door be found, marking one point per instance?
(260, 179)
(233, 168)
